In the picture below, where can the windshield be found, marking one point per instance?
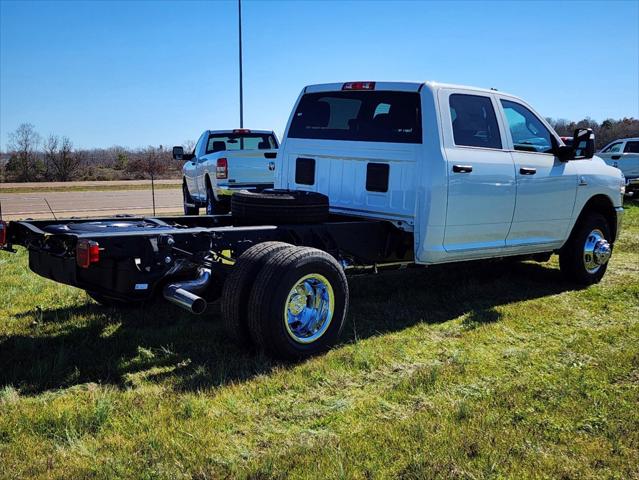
(367, 116)
(240, 141)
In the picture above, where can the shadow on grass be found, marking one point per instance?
(160, 343)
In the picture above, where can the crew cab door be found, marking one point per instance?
(546, 186)
(481, 174)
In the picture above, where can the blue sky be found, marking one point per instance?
(160, 72)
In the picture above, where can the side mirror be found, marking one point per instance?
(178, 153)
(565, 153)
(583, 143)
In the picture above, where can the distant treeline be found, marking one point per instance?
(29, 158)
(605, 132)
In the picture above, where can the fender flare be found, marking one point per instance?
(600, 203)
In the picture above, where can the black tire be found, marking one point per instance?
(279, 206)
(270, 295)
(214, 207)
(572, 257)
(186, 198)
(107, 301)
(237, 289)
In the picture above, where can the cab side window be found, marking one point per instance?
(528, 132)
(474, 121)
(614, 148)
(631, 147)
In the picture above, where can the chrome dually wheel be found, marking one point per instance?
(309, 308)
(298, 303)
(597, 251)
(584, 257)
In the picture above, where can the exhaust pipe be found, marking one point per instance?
(184, 294)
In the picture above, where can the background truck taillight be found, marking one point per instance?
(222, 168)
(87, 252)
(3, 233)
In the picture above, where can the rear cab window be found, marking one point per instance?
(365, 116)
(474, 121)
(241, 141)
(631, 147)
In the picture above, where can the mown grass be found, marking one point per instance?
(470, 371)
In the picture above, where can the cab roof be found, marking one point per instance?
(238, 131)
(394, 86)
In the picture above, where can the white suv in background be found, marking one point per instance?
(624, 155)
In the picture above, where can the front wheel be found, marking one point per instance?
(189, 204)
(584, 258)
(298, 303)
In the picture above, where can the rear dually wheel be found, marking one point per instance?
(298, 303)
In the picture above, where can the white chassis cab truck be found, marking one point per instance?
(624, 155)
(222, 162)
(370, 175)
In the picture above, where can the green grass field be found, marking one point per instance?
(498, 371)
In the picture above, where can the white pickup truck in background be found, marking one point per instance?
(624, 155)
(224, 161)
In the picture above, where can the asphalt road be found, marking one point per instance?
(89, 203)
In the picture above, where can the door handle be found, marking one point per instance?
(462, 168)
(527, 171)
(616, 157)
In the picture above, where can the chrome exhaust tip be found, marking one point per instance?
(184, 294)
(185, 299)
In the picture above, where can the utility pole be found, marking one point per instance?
(239, 12)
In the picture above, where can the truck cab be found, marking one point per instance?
(225, 161)
(473, 173)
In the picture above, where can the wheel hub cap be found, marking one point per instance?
(309, 308)
(597, 251)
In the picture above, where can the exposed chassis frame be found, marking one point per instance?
(136, 262)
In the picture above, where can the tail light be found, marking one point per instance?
(359, 86)
(222, 168)
(3, 233)
(241, 130)
(87, 252)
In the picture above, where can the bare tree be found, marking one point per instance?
(150, 162)
(23, 145)
(188, 145)
(62, 163)
(50, 149)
